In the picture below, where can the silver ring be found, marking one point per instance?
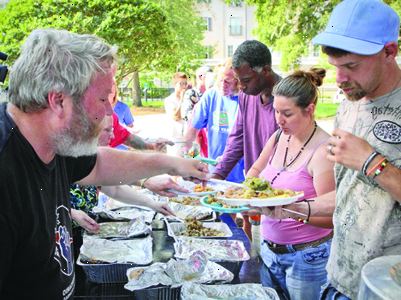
(330, 149)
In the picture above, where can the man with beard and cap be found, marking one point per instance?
(360, 40)
(58, 97)
(255, 121)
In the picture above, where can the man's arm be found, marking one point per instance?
(114, 167)
(352, 152)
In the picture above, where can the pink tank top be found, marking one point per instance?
(289, 231)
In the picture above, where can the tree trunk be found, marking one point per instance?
(136, 90)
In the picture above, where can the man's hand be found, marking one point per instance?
(164, 186)
(348, 150)
(85, 221)
(159, 145)
(191, 169)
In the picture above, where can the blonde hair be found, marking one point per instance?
(302, 86)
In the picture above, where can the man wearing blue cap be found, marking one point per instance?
(361, 43)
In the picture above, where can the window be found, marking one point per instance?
(230, 50)
(208, 23)
(235, 26)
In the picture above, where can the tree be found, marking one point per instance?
(289, 25)
(142, 29)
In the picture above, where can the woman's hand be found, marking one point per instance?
(162, 208)
(85, 221)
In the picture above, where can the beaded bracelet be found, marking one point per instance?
(374, 168)
(368, 161)
(380, 168)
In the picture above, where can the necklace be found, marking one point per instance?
(285, 165)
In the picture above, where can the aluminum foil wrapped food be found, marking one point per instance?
(97, 250)
(195, 228)
(174, 273)
(215, 250)
(188, 212)
(244, 291)
(123, 230)
(125, 213)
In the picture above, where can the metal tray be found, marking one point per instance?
(174, 229)
(105, 273)
(215, 250)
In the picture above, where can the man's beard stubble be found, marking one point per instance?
(80, 138)
(357, 91)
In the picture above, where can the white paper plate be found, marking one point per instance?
(262, 202)
(189, 185)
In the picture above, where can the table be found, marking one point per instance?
(163, 251)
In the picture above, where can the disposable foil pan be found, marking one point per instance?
(244, 291)
(137, 251)
(122, 230)
(178, 229)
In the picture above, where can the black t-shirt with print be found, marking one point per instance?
(36, 257)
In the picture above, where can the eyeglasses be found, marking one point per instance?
(183, 83)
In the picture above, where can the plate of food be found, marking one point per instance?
(220, 206)
(258, 192)
(185, 200)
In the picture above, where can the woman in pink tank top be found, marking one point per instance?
(295, 250)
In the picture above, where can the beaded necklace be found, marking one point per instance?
(285, 165)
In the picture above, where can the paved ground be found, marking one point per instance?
(154, 125)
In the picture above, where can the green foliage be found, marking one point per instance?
(150, 34)
(289, 25)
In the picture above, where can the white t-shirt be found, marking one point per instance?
(367, 221)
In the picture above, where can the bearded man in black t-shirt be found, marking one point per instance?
(58, 97)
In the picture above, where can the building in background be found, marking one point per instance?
(226, 26)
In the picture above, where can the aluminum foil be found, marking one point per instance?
(244, 291)
(97, 250)
(179, 229)
(187, 211)
(215, 250)
(123, 230)
(125, 213)
(176, 272)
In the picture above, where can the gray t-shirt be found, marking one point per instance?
(367, 220)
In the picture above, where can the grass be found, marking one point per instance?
(326, 110)
(323, 110)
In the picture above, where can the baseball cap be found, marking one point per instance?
(360, 27)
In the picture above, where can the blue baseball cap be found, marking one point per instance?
(360, 26)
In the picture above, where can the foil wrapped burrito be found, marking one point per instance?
(188, 212)
(125, 213)
(215, 250)
(97, 250)
(174, 273)
(244, 291)
(122, 230)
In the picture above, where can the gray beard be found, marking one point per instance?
(66, 145)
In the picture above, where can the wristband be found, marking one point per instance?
(306, 221)
(374, 168)
(368, 161)
(380, 168)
